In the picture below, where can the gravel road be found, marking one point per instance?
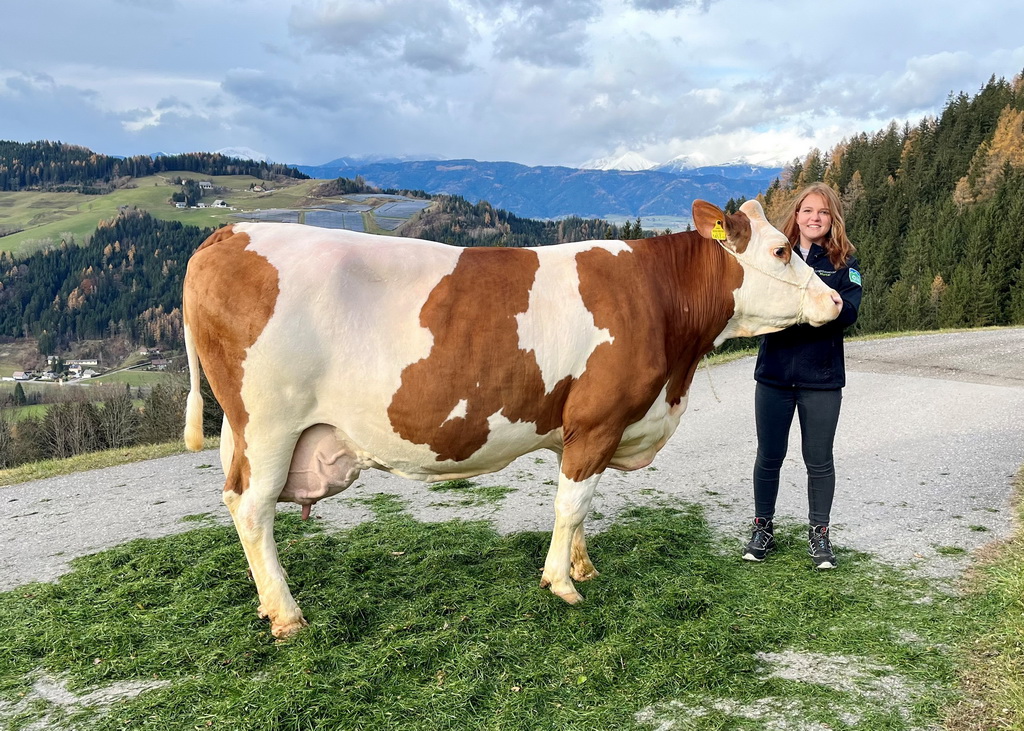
(929, 441)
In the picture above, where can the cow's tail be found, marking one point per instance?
(194, 405)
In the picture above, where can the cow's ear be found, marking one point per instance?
(709, 220)
(737, 225)
(731, 230)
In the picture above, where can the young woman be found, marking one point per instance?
(802, 369)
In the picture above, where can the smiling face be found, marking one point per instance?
(814, 220)
(777, 289)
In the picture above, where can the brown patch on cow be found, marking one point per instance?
(225, 232)
(475, 359)
(664, 303)
(229, 295)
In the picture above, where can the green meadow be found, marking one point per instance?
(442, 626)
(47, 218)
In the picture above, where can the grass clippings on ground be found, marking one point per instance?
(466, 493)
(94, 461)
(993, 674)
(442, 626)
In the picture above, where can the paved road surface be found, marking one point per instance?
(929, 441)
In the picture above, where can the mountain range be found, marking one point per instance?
(555, 192)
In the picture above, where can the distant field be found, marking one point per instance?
(49, 217)
(18, 355)
(24, 412)
(46, 218)
(134, 378)
(30, 388)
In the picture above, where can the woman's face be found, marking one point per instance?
(814, 219)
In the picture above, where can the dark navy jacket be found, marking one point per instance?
(802, 356)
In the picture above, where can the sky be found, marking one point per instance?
(538, 82)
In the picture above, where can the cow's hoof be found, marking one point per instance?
(286, 630)
(570, 597)
(584, 573)
(568, 594)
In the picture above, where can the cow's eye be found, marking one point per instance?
(780, 252)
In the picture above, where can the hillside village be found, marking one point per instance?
(73, 370)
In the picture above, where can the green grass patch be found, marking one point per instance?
(17, 413)
(466, 493)
(442, 626)
(133, 378)
(93, 461)
(46, 218)
(993, 675)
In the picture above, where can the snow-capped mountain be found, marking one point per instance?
(244, 153)
(681, 163)
(631, 161)
(373, 159)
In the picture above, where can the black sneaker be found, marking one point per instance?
(819, 546)
(761, 542)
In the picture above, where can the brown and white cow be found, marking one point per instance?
(333, 351)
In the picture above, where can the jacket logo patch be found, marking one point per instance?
(855, 277)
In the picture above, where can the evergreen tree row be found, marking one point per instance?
(55, 166)
(936, 211)
(454, 220)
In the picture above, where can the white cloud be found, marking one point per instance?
(532, 81)
(545, 34)
(432, 35)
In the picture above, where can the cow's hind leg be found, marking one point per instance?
(253, 512)
(571, 506)
(582, 567)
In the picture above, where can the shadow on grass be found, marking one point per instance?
(443, 626)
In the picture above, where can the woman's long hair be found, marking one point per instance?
(837, 245)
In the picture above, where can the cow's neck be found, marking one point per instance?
(695, 280)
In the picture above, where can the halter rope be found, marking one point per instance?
(801, 286)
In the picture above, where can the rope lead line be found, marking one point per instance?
(802, 286)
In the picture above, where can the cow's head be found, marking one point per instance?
(779, 289)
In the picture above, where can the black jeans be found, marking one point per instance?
(773, 415)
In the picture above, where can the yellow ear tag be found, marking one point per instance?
(718, 233)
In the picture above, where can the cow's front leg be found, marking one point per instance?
(571, 506)
(582, 567)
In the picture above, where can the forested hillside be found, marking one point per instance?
(936, 211)
(126, 281)
(455, 220)
(56, 166)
